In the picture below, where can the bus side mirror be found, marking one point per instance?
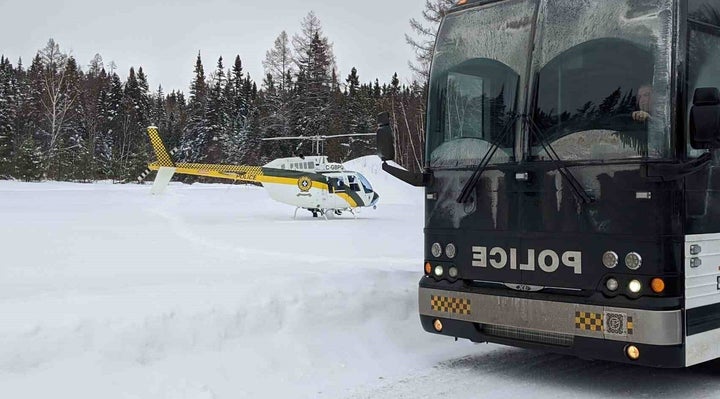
(705, 119)
(385, 138)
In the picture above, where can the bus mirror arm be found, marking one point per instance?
(411, 178)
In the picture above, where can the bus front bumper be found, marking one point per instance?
(586, 331)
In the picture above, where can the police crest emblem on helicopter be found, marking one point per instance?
(305, 184)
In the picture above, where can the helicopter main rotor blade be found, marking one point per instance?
(291, 138)
(347, 135)
(316, 138)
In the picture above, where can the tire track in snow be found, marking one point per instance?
(182, 229)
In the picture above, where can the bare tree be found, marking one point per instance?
(278, 61)
(302, 42)
(55, 97)
(424, 34)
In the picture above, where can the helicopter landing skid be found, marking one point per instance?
(315, 212)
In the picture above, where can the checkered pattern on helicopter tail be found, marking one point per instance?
(163, 158)
(244, 170)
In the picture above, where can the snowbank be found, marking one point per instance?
(211, 291)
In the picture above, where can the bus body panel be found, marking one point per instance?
(529, 247)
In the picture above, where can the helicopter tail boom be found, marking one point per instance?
(165, 163)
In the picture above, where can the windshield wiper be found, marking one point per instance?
(559, 163)
(472, 182)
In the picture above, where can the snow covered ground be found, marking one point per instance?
(213, 291)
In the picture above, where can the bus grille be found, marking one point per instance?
(520, 334)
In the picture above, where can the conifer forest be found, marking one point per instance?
(77, 120)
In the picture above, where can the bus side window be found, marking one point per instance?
(703, 54)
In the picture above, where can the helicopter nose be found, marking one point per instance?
(375, 199)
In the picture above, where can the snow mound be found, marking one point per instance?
(208, 291)
(390, 189)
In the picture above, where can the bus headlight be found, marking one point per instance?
(633, 261)
(436, 250)
(439, 271)
(610, 259)
(450, 251)
(635, 286)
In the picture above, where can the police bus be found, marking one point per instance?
(572, 178)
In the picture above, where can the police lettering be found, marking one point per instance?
(547, 261)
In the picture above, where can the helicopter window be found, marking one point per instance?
(365, 183)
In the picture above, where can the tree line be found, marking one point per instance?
(61, 121)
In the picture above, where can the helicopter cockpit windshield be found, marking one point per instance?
(365, 183)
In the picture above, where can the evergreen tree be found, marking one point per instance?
(112, 122)
(217, 118)
(313, 91)
(94, 85)
(176, 109)
(101, 138)
(8, 114)
(195, 135)
(75, 153)
(28, 160)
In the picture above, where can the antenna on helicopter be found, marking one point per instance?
(318, 141)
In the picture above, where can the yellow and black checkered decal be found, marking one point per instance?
(163, 158)
(588, 321)
(450, 305)
(630, 325)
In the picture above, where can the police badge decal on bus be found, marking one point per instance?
(572, 178)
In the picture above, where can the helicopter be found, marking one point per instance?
(305, 182)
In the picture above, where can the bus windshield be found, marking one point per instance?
(479, 66)
(602, 80)
(591, 79)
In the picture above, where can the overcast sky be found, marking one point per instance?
(164, 36)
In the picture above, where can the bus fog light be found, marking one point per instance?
(633, 261)
(438, 325)
(635, 286)
(632, 352)
(450, 251)
(612, 284)
(610, 259)
(453, 272)
(439, 271)
(436, 250)
(658, 285)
